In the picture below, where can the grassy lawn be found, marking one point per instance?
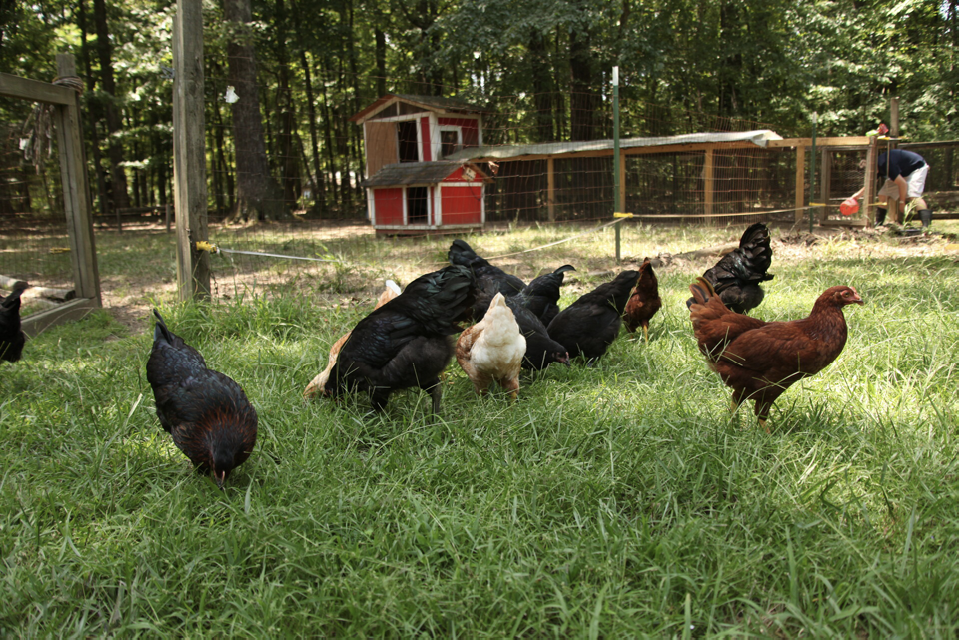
(614, 500)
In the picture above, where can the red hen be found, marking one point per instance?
(760, 360)
(644, 301)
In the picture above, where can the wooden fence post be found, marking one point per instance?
(800, 195)
(893, 211)
(550, 191)
(869, 195)
(709, 174)
(76, 191)
(826, 179)
(189, 151)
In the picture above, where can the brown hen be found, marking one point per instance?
(760, 360)
(644, 301)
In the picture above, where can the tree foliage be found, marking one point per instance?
(542, 65)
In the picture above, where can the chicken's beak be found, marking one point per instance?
(220, 479)
(858, 300)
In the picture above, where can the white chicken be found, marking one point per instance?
(318, 383)
(492, 349)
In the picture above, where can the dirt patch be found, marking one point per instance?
(130, 298)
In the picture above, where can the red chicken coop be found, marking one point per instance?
(411, 188)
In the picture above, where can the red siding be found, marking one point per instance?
(457, 176)
(427, 147)
(470, 129)
(462, 205)
(388, 206)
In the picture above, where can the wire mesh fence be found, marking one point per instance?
(34, 245)
(540, 158)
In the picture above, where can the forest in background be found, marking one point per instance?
(541, 67)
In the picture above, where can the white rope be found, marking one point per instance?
(272, 255)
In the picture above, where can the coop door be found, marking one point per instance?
(416, 205)
(408, 144)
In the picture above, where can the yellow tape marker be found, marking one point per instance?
(56, 250)
(622, 215)
(203, 245)
(818, 204)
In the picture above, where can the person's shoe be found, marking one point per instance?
(880, 216)
(926, 216)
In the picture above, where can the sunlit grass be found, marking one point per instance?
(614, 500)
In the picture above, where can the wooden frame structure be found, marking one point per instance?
(825, 146)
(189, 153)
(76, 192)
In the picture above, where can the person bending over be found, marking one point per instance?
(905, 178)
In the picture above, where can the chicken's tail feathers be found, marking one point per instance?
(13, 300)
(755, 234)
(702, 291)
(755, 246)
(462, 254)
(160, 332)
(565, 268)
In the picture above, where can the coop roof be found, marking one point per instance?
(506, 152)
(408, 173)
(429, 103)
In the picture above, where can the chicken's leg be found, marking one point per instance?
(436, 392)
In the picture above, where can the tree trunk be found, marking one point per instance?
(92, 110)
(107, 83)
(258, 195)
(289, 159)
(380, 37)
(542, 91)
(319, 182)
(221, 166)
(584, 101)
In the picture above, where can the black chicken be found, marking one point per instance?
(541, 295)
(205, 411)
(590, 324)
(406, 342)
(12, 337)
(462, 254)
(737, 275)
(541, 350)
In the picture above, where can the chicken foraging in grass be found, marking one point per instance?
(492, 349)
(462, 254)
(317, 386)
(12, 337)
(760, 360)
(541, 350)
(406, 342)
(205, 411)
(737, 275)
(644, 301)
(589, 325)
(541, 295)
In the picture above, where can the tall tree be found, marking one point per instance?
(258, 195)
(118, 183)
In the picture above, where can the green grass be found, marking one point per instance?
(617, 500)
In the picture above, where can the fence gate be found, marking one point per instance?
(31, 223)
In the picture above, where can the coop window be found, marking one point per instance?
(451, 140)
(409, 147)
(416, 205)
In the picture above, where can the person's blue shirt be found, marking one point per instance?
(901, 163)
